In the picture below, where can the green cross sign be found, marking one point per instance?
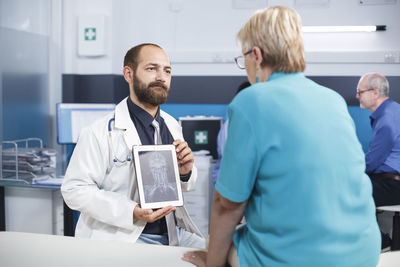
(201, 137)
(90, 34)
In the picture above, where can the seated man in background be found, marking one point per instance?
(383, 156)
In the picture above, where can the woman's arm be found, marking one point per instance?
(225, 216)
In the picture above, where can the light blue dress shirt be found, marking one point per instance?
(293, 153)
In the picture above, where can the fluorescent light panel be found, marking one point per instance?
(344, 28)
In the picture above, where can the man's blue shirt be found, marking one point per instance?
(384, 149)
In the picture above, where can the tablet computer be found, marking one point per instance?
(157, 176)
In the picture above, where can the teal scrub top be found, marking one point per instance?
(292, 152)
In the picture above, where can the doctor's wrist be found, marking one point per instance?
(135, 216)
(185, 177)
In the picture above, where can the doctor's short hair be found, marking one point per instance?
(277, 31)
(132, 56)
(375, 80)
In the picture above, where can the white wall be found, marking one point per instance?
(31, 19)
(22, 15)
(72, 9)
(199, 36)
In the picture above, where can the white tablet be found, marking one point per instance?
(157, 176)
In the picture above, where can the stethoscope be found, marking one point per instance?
(115, 158)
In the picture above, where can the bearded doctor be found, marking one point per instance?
(100, 180)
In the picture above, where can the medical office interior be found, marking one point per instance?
(58, 52)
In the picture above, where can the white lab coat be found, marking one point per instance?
(106, 193)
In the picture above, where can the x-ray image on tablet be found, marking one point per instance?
(157, 176)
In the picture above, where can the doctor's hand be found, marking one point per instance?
(185, 157)
(150, 215)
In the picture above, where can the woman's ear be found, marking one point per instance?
(127, 71)
(258, 55)
(258, 61)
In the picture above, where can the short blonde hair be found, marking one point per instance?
(277, 31)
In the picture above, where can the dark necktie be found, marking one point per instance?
(170, 218)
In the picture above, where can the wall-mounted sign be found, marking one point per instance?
(91, 40)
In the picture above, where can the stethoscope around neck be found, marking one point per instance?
(115, 158)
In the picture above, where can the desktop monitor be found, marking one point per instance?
(71, 118)
(201, 132)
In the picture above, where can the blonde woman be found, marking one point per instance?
(292, 164)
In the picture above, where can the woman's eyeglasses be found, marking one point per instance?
(239, 60)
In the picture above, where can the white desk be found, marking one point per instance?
(389, 259)
(27, 249)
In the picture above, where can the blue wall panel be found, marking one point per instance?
(359, 116)
(182, 110)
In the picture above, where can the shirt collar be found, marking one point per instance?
(142, 115)
(277, 75)
(380, 110)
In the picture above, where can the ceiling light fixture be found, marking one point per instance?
(344, 28)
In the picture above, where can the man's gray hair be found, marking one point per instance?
(376, 80)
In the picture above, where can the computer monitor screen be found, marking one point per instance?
(71, 118)
(201, 132)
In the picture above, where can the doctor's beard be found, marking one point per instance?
(155, 93)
